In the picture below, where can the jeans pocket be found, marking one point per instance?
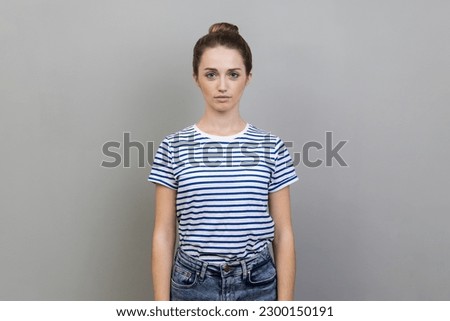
(262, 274)
(183, 277)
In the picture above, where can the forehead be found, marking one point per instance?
(221, 58)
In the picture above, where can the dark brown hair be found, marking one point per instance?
(222, 34)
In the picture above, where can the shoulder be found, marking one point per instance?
(264, 135)
(183, 134)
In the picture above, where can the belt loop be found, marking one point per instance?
(203, 270)
(244, 270)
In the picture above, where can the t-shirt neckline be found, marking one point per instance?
(221, 138)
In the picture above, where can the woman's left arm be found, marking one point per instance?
(283, 243)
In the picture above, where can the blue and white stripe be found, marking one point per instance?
(222, 187)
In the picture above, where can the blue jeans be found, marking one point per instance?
(252, 279)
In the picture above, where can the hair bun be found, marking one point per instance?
(223, 27)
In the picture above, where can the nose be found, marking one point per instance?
(222, 85)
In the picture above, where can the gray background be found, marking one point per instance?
(77, 74)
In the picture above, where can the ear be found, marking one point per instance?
(195, 79)
(249, 78)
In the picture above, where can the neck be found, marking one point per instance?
(221, 124)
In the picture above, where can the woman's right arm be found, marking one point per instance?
(163, 245)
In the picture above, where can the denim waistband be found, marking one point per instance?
(235, 268)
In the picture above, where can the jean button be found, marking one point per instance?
(226, 268)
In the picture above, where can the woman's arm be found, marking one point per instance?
(164, 236)
(283, 243)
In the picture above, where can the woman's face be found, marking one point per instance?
(222, 78)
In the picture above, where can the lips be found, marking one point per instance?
(222, 97)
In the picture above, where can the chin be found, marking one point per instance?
(222, 108)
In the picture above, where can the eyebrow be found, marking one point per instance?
(214, 69)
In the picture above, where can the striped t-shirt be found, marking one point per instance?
(222, 185)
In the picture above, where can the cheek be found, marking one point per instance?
(208, 92)
(204, 89)
(241, 88)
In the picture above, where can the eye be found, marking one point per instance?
(210, 75)
(234, 75)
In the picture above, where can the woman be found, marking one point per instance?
(226, 183)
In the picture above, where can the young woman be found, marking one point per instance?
(226, 183)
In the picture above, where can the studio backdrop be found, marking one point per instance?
(358, 90)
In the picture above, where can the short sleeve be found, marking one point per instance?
(162, 171)
(283, 173)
